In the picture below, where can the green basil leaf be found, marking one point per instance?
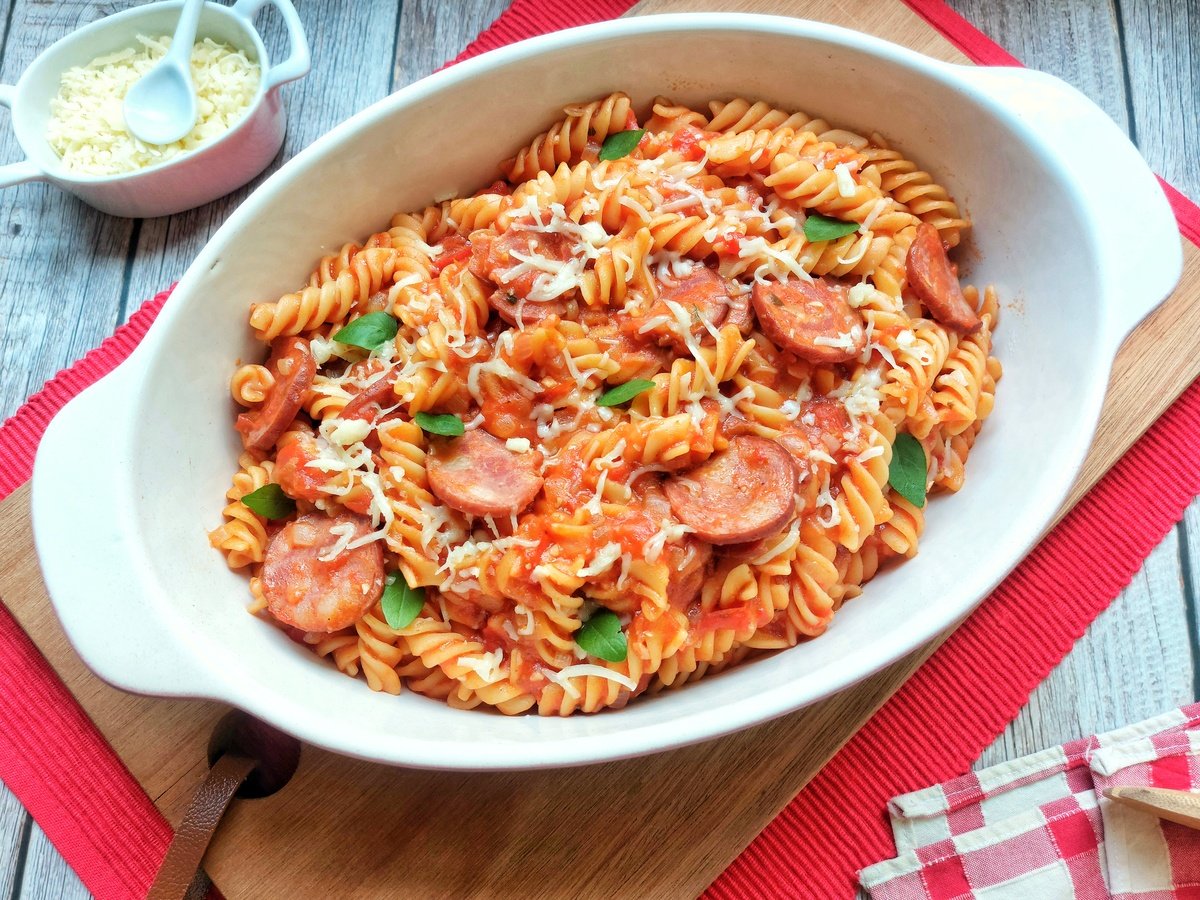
(601, 636)
(623, 393)
(270, 502)
(823, 228)
(401, 604)
(909, 468)
(368, 331)
(621, 144)
(446, 424)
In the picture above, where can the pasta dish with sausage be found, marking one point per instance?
(660, 399)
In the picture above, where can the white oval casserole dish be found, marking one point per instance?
(1070, 225)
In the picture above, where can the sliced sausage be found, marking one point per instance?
(740, 314)
(810, 318)
(702, 295)
(741, 494)
(477, 474)
(689, 568)
(299, 480)
(294, 370)
(933, 279)
(368, 403)
(492, 255)
(521, 312)
(309, 589)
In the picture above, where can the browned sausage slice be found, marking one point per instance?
(740, 314)
(689, 568)
(741, 494)
(810, 318)
(369, 402)
(934, 282)
(497, 257)
(309, 588)
(478, 475)
(294, 371)
(702, 295)
(517, 311)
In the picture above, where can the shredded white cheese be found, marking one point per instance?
(604, 559)
(87, 129)
(668, 531)
(845, 181)
(345, 534)
(563, 677)
(348, 431)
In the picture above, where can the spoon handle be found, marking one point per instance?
(185, 31)
(1175, 806)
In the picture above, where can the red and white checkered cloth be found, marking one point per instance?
(1036, 828)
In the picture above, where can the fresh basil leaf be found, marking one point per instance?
(401, 603)
(823, 228)
(270, 502)
(601, 636)
(446, 424)
(623, 393)
(621, 144)
(909, 468)
(368, 331)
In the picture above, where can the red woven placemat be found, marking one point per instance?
(57, 763)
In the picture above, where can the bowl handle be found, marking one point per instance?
(90, 570)
(21, 172)
(298, 62)
(1133, 229)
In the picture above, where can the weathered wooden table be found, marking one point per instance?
(70, 275)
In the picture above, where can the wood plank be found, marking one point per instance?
(1161, 46)
(6, 10)
(46, 875)
(12, 826)
(1190, 554)
(1078, 42)
(316, 103)
(63, 288)
(431, 33)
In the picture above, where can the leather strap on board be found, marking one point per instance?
(177, 877)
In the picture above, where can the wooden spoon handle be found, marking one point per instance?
(1174, 806)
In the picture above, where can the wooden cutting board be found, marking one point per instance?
(663, 826)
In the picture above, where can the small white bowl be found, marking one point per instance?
(191, 179)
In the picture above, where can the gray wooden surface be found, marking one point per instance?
(69, 275)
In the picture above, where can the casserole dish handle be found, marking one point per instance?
(298, 62)
(1132, 226)
(20, 172)
(108, 615)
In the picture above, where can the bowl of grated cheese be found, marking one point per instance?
(68, 118)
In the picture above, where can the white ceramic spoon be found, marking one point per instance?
(161, 107)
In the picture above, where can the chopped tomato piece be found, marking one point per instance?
(454, 249)
(686, 141)
(730, 244)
